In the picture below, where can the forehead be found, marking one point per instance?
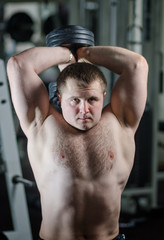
(72, 85)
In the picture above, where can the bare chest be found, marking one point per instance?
(86, 154)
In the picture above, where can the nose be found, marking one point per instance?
(84, 107)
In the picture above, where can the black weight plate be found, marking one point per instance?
(74, 41)
(71, 39)
(20, 27)
(63, 35)
(72, 29)
(70, 35)
(73, 35)
(55, 33)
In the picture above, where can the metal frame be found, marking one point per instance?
(158, 37)
(16, 193)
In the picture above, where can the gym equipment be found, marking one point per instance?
(53, 90)
(3, 236)
(18, 179)
(20, 27)
(10, 155)
(71, 36)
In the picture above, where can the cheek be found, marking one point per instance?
(97, 110)
(98, 107)
(68, 110)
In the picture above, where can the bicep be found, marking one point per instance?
(128, 97)
(29, 96)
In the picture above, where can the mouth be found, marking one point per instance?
(84, 119)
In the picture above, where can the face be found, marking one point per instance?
(82, 107)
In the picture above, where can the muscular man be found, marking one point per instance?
(81, 158)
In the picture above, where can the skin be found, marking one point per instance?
(81, 160)
(82, 108)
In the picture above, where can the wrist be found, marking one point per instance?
(70, 57)
(83, 53)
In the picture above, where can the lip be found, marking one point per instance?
(84, 119)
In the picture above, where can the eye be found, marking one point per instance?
(92, 99)
(75, 100)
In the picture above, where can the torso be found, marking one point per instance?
(80, 176)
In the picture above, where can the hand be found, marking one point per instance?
(82, 53)
(70, 61)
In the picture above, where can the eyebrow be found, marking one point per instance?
(73, 97)
(92, 96)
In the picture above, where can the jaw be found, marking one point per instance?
(84, 126)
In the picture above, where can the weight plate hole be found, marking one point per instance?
(3, 101)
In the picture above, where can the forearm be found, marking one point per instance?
(116, 59)
(41, 58)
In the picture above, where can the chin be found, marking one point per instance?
(80, 127)
(83, 127)
(86, 127)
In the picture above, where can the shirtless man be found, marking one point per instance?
(81, 158)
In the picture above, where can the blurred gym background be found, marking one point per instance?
(134, 24)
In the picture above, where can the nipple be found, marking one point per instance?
(111, 155)
(62, 157)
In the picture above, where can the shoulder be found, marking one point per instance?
(39, 123)
(110, 119)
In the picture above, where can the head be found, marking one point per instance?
(81, 89)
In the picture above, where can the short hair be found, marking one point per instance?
(84, 73)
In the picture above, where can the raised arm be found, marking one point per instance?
(128, 97)
(29, 94)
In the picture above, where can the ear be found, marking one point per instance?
(104, 94)
(59, 97)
